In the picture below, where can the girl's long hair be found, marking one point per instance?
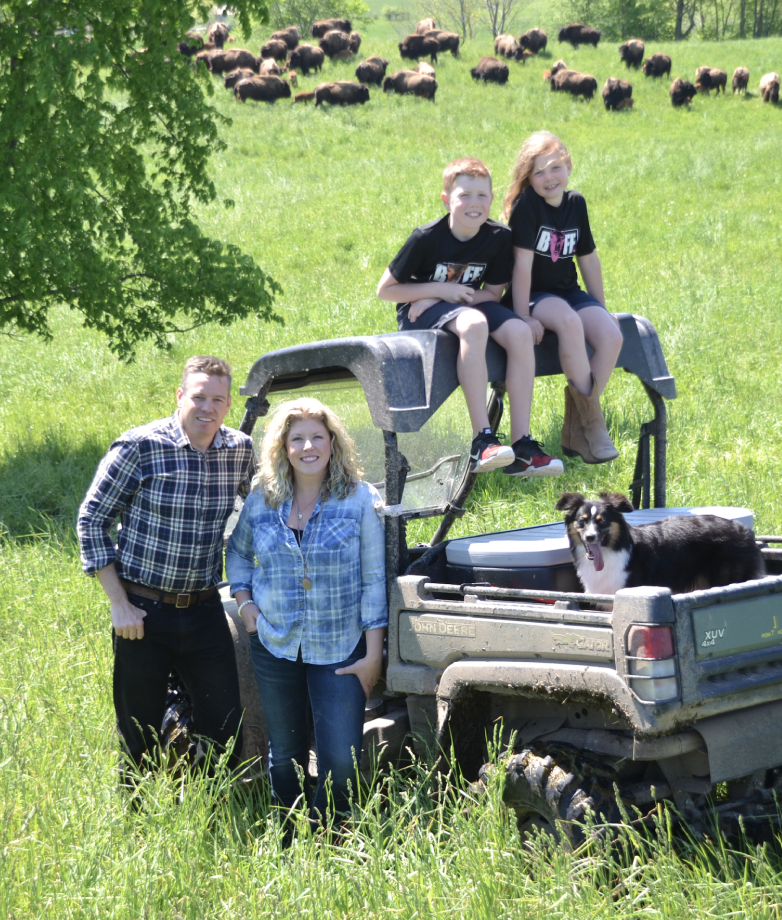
(536, 144)
(275, 475)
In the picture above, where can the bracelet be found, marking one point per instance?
(243, 605)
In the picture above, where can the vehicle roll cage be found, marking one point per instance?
(407, 376)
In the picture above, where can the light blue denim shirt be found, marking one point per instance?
(346, 565)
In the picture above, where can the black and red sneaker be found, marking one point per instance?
(531, 460)
(487, 454)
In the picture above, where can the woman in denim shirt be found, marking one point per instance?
(306, 563)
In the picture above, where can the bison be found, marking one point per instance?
(202, 57)
(573, 82)
(217, 34)
(632, 52)
(448, 41)
(355, 42)
(290, 36)
(334, 42)
(306, 58)
(262, 89)
(194, 46)
(342, 92)
(490, 70)
(423, 67)
(740, 80)
(769, 87)
(319, 29)
(682, 92)
(275, 48)
(577, 35)
(225, 61)
(617, 94)
(372, 70)
(425, 25)
(534, 40)
(269, 66)
(418, 46)
(658, 65)
(407, 82)
(707, 78)
(555, 69)
(234, 76)
(508, 47)
(304, 97)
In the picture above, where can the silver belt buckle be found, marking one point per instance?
(182, 601)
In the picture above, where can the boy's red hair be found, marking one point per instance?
(465, 166)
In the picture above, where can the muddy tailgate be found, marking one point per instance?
(730, 639)
(437, 639)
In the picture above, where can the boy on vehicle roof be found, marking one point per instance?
(450, 274)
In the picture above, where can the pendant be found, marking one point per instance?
(307, 584)
(299, 516)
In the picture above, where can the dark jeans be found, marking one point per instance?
(338, 714)
(197, 643)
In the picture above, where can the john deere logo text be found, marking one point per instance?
(443, 628)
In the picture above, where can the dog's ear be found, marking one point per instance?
(617, 501)
(569, 501)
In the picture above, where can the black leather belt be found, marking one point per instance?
(181, 601)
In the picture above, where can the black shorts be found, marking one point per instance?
(439, 314)
(575, 297)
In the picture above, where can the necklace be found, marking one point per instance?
(299, 512)
(306, 583)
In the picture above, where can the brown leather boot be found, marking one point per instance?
(588, 436)
(574, 442)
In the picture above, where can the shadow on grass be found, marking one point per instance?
(44, 484)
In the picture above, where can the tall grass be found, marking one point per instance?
(685, 208)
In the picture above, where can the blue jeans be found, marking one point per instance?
(338, 713)
(198, 645)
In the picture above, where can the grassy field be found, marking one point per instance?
(685, 208)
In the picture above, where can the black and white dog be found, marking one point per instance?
(680, 553)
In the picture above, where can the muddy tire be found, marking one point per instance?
(555, 787)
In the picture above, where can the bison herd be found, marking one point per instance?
(262, 79)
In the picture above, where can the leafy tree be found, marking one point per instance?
(678, 19)
(303, 13)
(105, 135)
(619, 20)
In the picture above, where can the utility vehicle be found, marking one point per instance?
(659, 697)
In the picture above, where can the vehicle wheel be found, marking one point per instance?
(554, 787)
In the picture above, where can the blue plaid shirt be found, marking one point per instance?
(172, 501)
(346, 565)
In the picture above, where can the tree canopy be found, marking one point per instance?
(105, 134)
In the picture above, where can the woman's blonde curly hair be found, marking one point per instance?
(536, 144)
(275, 475)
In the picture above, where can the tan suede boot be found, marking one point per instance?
(574, 442)
(596, 438)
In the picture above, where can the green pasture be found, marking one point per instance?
(685, 208)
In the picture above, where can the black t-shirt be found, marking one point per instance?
(432, 253)
(555, 235)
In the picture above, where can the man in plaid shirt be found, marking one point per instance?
(173, 485)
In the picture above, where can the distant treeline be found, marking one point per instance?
(678, 19)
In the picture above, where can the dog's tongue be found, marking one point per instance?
(597, 556)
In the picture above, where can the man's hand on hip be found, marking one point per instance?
(127, 620)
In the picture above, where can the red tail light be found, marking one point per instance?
(650, 642)
(651, 663)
